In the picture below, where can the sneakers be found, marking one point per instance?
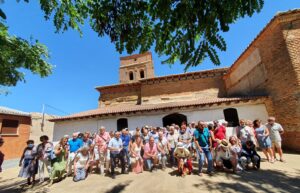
(113, 176)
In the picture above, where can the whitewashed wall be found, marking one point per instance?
(249, 111)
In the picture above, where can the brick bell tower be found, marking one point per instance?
(136, 67)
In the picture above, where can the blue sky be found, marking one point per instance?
(82, 63)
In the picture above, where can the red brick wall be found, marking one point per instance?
(14, 145)
(211, 86)
(279, 50)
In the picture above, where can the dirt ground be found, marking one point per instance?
(277, 177)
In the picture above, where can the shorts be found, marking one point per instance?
(276, 144)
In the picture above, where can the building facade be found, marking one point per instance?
(15, 130)
(263, 81)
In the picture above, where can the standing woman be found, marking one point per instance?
(60, 162)
(136, 159)
(28, 163)
(263, 138)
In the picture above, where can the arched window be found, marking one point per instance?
(131, 76)
(122, 124)
(174, 118)
(231, 116)
(142, 74)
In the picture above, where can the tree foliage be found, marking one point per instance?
(185, 30)
(17, 54)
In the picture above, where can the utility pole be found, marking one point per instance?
(43, 118)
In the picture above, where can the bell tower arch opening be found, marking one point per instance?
(136, 67)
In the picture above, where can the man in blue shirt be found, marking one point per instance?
(74, 145)
(203, 143)
(126, 140)
(115, 146)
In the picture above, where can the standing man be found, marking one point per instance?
(172, 141)
(185, 137)
(203, 143)
(86, 141)
(74, 145)
(163, 149)
(101, 141)
(276, 131)
(115, 146)
(126, 140)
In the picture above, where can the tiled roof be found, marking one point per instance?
(113, 110)
(9, 111)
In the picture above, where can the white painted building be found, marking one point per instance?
(247, 109)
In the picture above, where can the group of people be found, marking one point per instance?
(153, 148)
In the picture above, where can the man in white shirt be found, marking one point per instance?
(276, 131)
(115, 146)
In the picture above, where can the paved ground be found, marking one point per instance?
(278, 177)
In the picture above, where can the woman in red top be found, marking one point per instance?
(219, 133)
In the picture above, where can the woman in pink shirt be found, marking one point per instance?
(150, 154)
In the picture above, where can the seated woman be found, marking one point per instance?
(81, 164)
(136, 159)
(183, 159)
(248, 155)
(236, 148)
(224, 156)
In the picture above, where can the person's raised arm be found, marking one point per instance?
(57, 149)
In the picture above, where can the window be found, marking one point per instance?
(231, 116)
(122, 124)
(131, 76)
(9, 127)
(142, 74)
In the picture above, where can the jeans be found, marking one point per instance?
(247, 160)
(149, 163)
(80, 174)
(172, 158)
(163, 159)
(113, 160)
(42, 165)
(205, 153)
(127, 157)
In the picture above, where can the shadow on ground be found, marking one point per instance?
(255, 181)
(21, 186)
(118, 188)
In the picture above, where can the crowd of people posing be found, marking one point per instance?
(153, 148)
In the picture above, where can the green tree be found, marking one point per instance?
(17, 54)
(184, 30)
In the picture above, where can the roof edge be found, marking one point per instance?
(93, 112)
